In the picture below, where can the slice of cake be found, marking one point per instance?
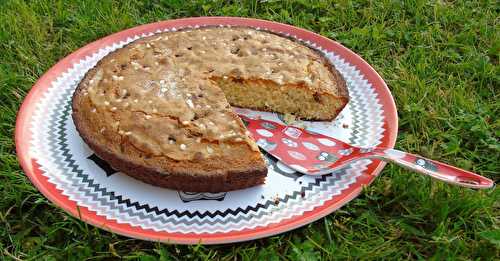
(159, 108)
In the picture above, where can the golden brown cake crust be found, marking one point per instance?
(183, 180)
(152, 110)
(248, 171)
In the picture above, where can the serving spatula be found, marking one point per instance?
(316, 154)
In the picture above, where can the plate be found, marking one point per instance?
(69, 174)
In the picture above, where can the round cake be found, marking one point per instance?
(159, 109)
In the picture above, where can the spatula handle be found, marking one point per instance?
(433, 168)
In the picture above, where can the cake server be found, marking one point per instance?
(317, 154)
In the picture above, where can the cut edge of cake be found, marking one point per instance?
(315, 105)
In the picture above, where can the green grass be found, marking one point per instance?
(440, 60)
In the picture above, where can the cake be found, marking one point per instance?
(159, 109)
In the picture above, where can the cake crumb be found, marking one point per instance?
(117, 78)
(136, 65)
(308, 80)
(106, 103)
(345, 126)
(210, 150)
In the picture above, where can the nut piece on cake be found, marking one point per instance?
(159, 108)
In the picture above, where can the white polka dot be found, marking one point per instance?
(310, 146)
(297, 155)
(421, 162)
(345, 152)
(268, 146)
(327, 142)
(264, 133)
(289, 142)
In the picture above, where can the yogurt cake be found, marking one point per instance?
(159, 109)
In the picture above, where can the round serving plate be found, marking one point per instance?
(68, 173)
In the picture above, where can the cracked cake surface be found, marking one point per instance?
(159, 109)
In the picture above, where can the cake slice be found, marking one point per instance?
(159, 108)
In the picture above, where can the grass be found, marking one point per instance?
(440, 60)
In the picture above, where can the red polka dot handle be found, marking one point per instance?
(316, 154)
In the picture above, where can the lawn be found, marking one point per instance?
(440, 60)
